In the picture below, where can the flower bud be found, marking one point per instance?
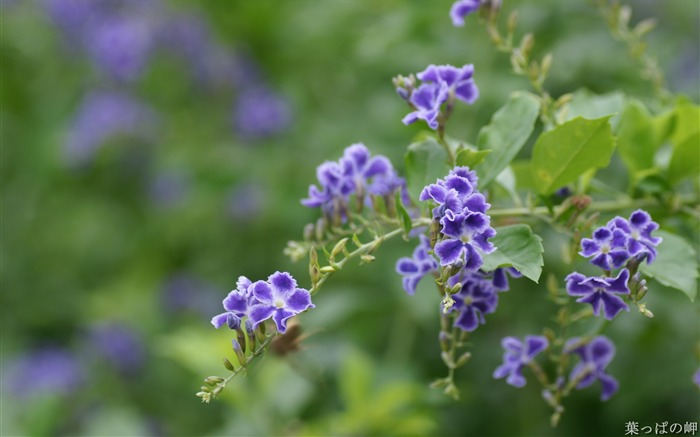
(367, 258)
(444, 338)
(251, 334)
(213, 380)
(309, 231)
(447, 359)
(239, 353)
(228, 365)
(327, 269)
(339, 247)
(463, 359)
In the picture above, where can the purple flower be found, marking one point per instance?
(237, 305)
(46, 371)
(638, 228)
(608, 247)
(413, 269)
(459, 81)
(260, 113)
(461, 9)
(500, 280)
(357, 172)
(427, 99)
(105, 115)
(465, 231)
(595, 357)
(600, 292)
(696, 378)
(476, 298)
(519, 354)
(183, 293)
(456, 192)
(278, 298)
(118, 344)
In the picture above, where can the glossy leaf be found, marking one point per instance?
(506, 134)
(566, 152)
(676, 264)
(426, 161)
(516, 246)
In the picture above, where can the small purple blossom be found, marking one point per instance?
(608, 247)
(459, 81)
(696, 378)
(456, 192)
(600, 292)
(476, 298)
(461, 9)
(237, 305)
(413, 269)
(278, 298)
(595, 357)
(427, 100)
(640, 242)
(358, 173)
(500, 277)
(517, 355)
(466, 232)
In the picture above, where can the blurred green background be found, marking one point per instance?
(154, 151)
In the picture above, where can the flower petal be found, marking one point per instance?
(299, 301)
(449, 251)
(260, 313)
(262, 292)
(283, 283)
(280, 317)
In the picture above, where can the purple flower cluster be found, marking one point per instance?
(420, 264)
(45, 371)
(595, 355)
(612, 247)
(278, 298)
(356, 173)
(461, 8)
(519, 354)
(461, 212)
(441, 84)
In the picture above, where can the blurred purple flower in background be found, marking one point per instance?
(169, 188)
(119, 344)
(246, 201)
(104, 115)
(260, 113)
(45, 371)
(183, 293)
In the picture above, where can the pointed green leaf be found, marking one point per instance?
(506, 134)
(566, 152)
(676, 264)
(470, 158)
(589, 105)
(635, 137)
(685, 160)
(516, 246)
(426, 161)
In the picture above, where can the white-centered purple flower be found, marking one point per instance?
(415, 268)
(427, 100)
(465, 232)
(476, 298)
(460, 9)
(600, 292)
(456, 192)
(459, 81)
(517, 355)
(608, 247)
(595, 356)
(237, 304)
(640, 242)
(279, 298)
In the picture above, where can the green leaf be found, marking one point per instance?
(589, 105)
(685, 160)
(508, 131)
(676, 264)
(636, 138)
(516, 246)
(426, 161)
(470, 158)
(403, 214)
(566, 152)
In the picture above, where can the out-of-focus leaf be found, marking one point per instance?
(470, 158)
(516, 246)
(566, 152)
(426, 161)
(506, 134)
(403, 214)
(635, 137)
(676, 264)
(685, 160)
(589, 105)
